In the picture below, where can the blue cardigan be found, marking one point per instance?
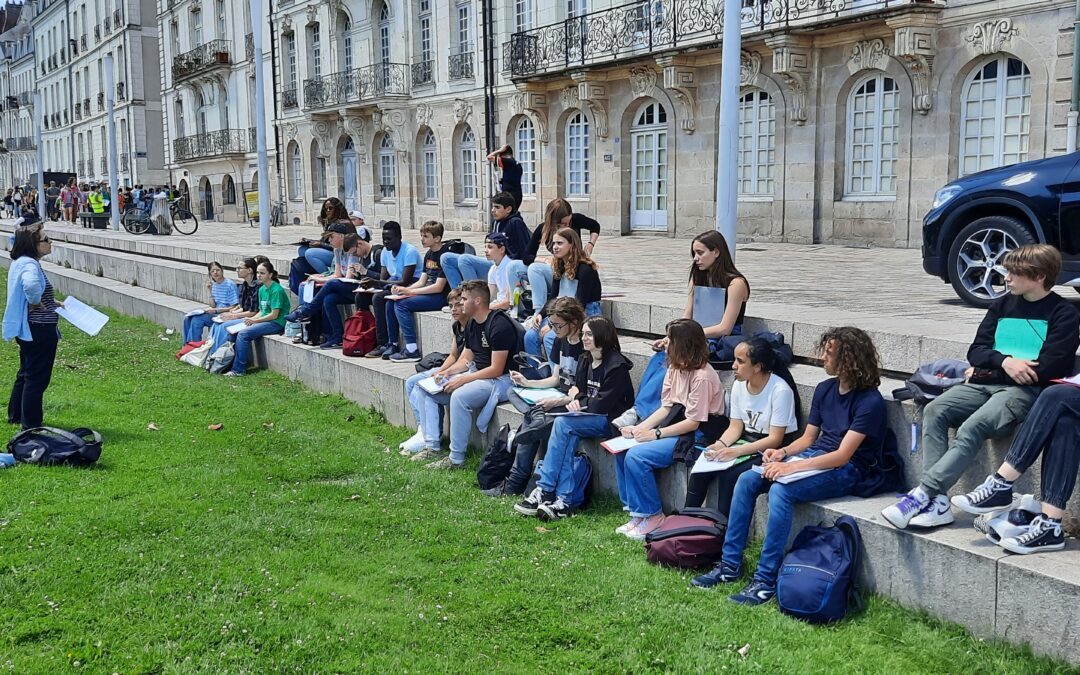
(26, 284)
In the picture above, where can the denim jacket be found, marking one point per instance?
(26, 284)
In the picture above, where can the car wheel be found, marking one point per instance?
(975, 257)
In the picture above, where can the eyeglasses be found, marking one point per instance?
(556, 326)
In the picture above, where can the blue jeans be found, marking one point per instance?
(464, 403)
(557, 471)
(637, 482)
(460, 267)
(532, 336)
(782, 501)
(400, 313)
(218, 334)
(333, 293)
(1051, 429)
(319, 258)
(244, 339)
(541, 279)
(194, 325)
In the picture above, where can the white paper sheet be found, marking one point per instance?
(195, 312)
(618, 444)
(82, 316)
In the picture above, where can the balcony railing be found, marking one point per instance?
(253, 142)
(56, 120)
(14, 103)
(97, 33)
(379, 80)
(104, 166)
(121, 91)
(20, 143)
(249, 46)
(461, 64)
(106, 25)
(26, 98)
(423, 72)
(223, 142)
(101, 101)
(647, 26)
(202, 58)
(386, 191)
(86, 106)
(82, 42)
(78, 111)
(288, 98)
(118, 17)
(73, 45)
(125, 163)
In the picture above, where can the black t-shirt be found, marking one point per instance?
(459, 337)
(433, 269)
(496, 334)
(510, 181)
(566, 355)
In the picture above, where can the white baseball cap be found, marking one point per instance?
(359, 215)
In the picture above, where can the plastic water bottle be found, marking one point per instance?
(7, 461)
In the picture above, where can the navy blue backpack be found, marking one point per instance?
(582, 480)
(817, 578)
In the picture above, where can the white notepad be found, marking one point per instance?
(82, 316)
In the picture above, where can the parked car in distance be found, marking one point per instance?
(977, 219)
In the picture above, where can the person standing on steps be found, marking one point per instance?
(510, 173)
(31, 320)
(1027, 338)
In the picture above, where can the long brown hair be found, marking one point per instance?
(556, 210)
(566, 268)
(721, 273)
(687, 347)
(332, 211)
(857, 361)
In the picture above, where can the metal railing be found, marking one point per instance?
(121, 91)
(423, 72)
(78, 111)
(82, 42)
(26, 98)
(118, 17)
(20, 143)
(97, 33)
(359, 84)
(202, 58)
(223, 142)
(86, 106)
(460, 65)
(253, 144)
(646, 26)
(288, 98)
(106, 25)
(104, 166)
(101, 101)
(125, 163)
(386, 191)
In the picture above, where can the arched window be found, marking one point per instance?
(873, 126)
(525, 153)
(228, 190)
(387, 167)
(346, 42)
(996, 115)
(429, 165)
(296, 173)
(467, 165)
(318, 173)
(315, 43)
(757, 143)
(384, 34)
(577, 155)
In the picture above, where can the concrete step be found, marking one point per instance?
(952, 573)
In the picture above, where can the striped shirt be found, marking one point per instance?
(47, 314)
(224, 294)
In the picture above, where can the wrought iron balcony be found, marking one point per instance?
(203, 58)
(253, 142)
(82, 42)
(650, 26)
(461, 64)
(14, 103)
(56, 119)
(97, 33)
(26, 98)
(78, 111)
(73, 45)
(106, 25)
(380, 80)
(118, 17)
(288, 98)
(423, 72)
(104, 166)
(212, 143)
(86, 106)
(101, 101)
(121, 91)
(386, 191)
(20, 143)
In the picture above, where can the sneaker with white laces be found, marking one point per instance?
(628, 525)
(626, 419)
(646, 526)
(531, 504)
(988, 497)
(554, 510)
(1042, 535)
(909, 505)
(427, 454)
(934, 514)
(755, 593)
(1009, 523)
(413, 444)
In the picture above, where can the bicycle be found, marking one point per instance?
(137, 220)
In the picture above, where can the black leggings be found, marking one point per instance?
(697, 485)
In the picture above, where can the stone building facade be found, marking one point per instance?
(17, 77)
(852, 112)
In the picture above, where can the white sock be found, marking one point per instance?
(410, 346)
(921, 494)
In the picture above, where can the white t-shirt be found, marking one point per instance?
(498, 277)
(773, 407)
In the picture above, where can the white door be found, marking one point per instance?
(649, 155)
(350, 176)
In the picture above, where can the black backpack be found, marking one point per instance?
(497, 461)
(50, 446)
(458, 246)
(932, 380)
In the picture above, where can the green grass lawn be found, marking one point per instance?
(296, 539)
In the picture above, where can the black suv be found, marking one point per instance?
(976, 219)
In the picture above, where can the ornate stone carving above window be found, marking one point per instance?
(868, 55)
(990, 37)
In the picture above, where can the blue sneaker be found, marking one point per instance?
(755, 593)
(331, 344)
(721, 574)
(301, 314)
(406, 356)
(391, 351)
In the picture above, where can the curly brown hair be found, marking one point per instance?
(566, 268)
(857, 362)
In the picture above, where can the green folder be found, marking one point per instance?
(1020, 338)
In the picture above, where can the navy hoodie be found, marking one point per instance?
(518, 235)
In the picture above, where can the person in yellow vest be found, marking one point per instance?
(97, 202)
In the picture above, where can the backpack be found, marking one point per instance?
(358, 338)
(688, 539)
(817, 581)
(497, 461)
(723, 351)
(50, 446)
(431, 361)
(458, 246)
(886, 474)
(583, 471)
(221, 360)
(931, 380)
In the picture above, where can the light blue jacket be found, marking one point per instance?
(26, 284)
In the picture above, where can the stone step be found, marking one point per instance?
(951, 573)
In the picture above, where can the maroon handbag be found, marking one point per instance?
(691, 539)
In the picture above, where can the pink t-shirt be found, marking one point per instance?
(698, 391)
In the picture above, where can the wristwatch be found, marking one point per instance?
(657, 433)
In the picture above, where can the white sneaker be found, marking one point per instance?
(628, 418)
(414, 443)
(935, 514)
(909, 505)
(627, 526)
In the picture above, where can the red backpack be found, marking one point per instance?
(359, 335)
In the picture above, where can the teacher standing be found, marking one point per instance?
(30, 318)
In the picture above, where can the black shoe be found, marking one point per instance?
(497, 491)
(1042, 535)
(755, 593)
(531, 504)
(391, 350)
(992, 495)
(377, 352)
(723, 573)
(554, 510)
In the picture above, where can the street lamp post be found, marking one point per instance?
(257, 21)
(114, 190)
(727, 164)
(40, 156)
